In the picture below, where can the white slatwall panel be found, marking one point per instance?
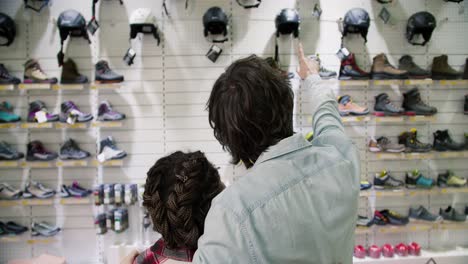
(167, 88)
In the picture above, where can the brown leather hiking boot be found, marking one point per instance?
(34, 74)
(465, 73)
(70, 74)
(441, 70)
(383, 70)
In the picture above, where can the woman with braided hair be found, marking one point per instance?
(178, 194)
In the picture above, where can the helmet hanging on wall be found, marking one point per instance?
(70, 22)
(43, 3)
(143, 21)
(246, 6)
(7, 30)
(355, 21)
(288, 22)
(215, 22)
(422, 23)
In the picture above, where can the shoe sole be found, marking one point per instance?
(438, 76)
(67, 157)
(105, 82)
(349, 78)
(387, 76)
(29, 81)
(381, 113)
(352, 113)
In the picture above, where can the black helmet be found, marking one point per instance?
(356, 20)
(287, 22)
(215, 22)
(422, 23)
(257, 4)
(71, 22)
(43, 4)
(7, 29)
(455, 1)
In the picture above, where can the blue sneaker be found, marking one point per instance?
(415, 179)
(6, 113)
(384, 180)
(365, 185)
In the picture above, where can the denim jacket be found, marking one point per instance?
(297, 204)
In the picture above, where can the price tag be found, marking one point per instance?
(214, 53)
(92, 26)
(41, 116)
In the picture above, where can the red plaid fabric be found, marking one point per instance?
(158, 253)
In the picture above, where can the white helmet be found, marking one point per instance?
(143, 21)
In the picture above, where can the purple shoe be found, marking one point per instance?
(69, 109)
(37, 106)
(37, 152)
(106, 113)
(76, 186)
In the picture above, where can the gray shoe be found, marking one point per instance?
(104, 74)
(450, 214)
(7, 192)
(71, 150)
(384, 107)
(44, 229)
(383, 144)
(383, 180)
(412, 103)
(406, 63)
(422, 213)
(323, 72)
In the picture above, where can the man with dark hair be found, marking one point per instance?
(298, 201)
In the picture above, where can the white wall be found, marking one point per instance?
(166, 90)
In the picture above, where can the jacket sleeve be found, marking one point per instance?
(224, 240)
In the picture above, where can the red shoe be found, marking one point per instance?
(359, 252)
(374, 251)
(349, 70)
(401, 250)
(387, 251)
(414, 249)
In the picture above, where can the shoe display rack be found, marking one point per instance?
(165, 93)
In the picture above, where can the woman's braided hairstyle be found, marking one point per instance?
(178, 193)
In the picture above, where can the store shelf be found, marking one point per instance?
(354, 119)
(108, 163)
(9, 164)
(355, 83)
(105, 86)
(391, 229)
(387, 82)
(37, 164)
(8, 125)
(72, 87)
(71, 126)
(72, 163)
(421, 156)
(453, 82)
(411, 192)
(419, 82)
(34, 86)
(37, 125)
(456, 256)
(46, 202)
(108, 124)
(7, 87)
(389, 119)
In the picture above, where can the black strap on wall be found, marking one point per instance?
(44, 4)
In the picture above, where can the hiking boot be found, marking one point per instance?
(8, 153)
(383, 144)
(383, 70)
(104, 74)
(37, 106)
(383, 180)
(349, 70)
(411, 142)
(323, 72)
(449, 179)
(394, 218)
(34, 74)
(406, 63)
(6, 77)
(414, 179)
(6, 113)
(70, 74)
(443, 142)
(109, 150)
(465, 73)
(71, 150)
(441, 70)
(7, 192)
(37, 152)
(347, 107)
(413, 104)
(70, 113)
(422, 213)
(106, 113)
(383, 106)
(450, 214)
(465, 108)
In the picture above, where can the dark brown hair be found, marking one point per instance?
(178, 193)
(250, 109)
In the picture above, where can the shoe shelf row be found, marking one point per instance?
(57, 87)
(412, 192)
(400, 82)
(27, 125)
(383, 119)
(60, 163)
(412, 227)
(420, 156)
(28, 239)
(444, 255)
(51, 201)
